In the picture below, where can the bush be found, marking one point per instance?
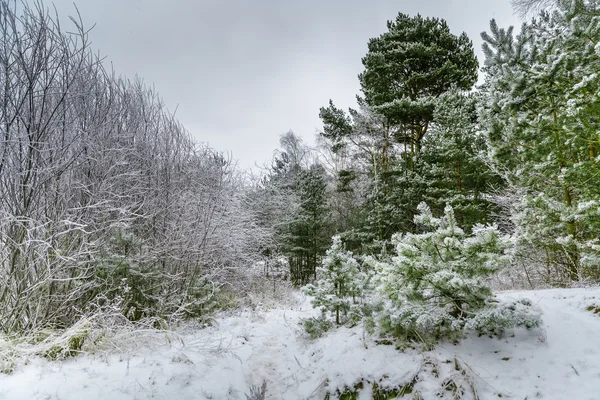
(316, 327)
(437, 286)
(70, 343)
(498, 317)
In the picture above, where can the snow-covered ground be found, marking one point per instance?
(562, 361)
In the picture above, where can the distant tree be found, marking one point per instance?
(308, 231)
(300, 185)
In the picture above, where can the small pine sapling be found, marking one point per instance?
(340, 284)
(437, 283)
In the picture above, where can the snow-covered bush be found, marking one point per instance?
(498, 317)
(340, 285)
(130, 209)
(316, 327)
(437, 283)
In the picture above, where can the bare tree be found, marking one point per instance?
(104, 196)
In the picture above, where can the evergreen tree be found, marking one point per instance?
(436, 283)
(454, 162)
(452, 167)
(367, 141)
(406, 68)
(539, 110)
(340, 284)
(308, 231)
(303, 230)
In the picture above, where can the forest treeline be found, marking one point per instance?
(108, 203)
(519, 150)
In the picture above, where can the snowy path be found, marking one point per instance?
(222, 362)
(565, 364)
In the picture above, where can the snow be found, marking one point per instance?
(562, 362)
(246, 348)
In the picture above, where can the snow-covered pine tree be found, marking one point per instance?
(437, 283)
(340, 284)
(539, 111)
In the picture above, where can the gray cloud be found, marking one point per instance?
(242, 72)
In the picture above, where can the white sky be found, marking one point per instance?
(242, 72)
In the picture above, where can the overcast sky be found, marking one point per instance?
(242, 72)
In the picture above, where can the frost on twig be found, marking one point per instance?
(524, 8)
(257, 393)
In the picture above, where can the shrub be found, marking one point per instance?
(437, 283)
(316, 327)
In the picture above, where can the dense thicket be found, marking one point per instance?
(521, 150)
(105, 201)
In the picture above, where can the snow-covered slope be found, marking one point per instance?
(224, 361)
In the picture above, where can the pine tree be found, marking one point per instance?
(454, 162)
(367, 141)
(309, 234)
(408, 71)
(436, 283)
(406, 68)
(340, 284)
(303, 230)
(539, 111)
